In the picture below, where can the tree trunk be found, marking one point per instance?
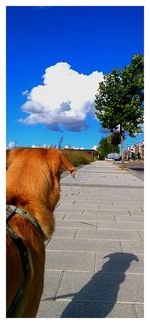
(122, 152)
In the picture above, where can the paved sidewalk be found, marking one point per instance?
(94, 262)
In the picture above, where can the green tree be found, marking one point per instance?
(138, 156)
(133, 156)
(105, 147)
(120, 99)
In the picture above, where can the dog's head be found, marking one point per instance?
(55, 158)
(36, 171)
(61, 162)
(33, 182)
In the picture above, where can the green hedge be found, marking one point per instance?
(78, 158)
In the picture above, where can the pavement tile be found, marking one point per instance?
(102, 287)
(83, 245)
(94, 261)
(107, 212)
(71, 211)
(136, 211)
(139, 310)
(66, 205)
(74, 309)
(76, 261)
(132, 247)
(97, 216)
(102, 234)
(122, 206)
(122, 310)
(141, 233)
(133, 226)
(75, 224)
(106, 205)
(64, 232)
(121, 218)
(51, 284)
(86, 206)
(130, 203)
(58, 216)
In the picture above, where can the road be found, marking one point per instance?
(135, 167)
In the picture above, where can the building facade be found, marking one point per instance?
(136, 151)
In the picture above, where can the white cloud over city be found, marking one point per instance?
(64, 100)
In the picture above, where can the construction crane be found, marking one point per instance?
(60, 142)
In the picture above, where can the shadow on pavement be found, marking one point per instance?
(98, 297)
(140, 169)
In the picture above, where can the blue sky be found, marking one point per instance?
(56, 56)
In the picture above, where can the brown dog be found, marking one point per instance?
(33, 176)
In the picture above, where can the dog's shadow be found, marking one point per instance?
(98, 297)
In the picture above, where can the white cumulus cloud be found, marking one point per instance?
(64, 100)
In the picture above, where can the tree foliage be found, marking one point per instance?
(120, 97)
(115, 139)
(105, 147)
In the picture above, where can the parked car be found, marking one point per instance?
(114, 157)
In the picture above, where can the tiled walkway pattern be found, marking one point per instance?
(94, 262)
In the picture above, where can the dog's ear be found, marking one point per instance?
(66, 165)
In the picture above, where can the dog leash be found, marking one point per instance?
(12, 311)
(10, 210)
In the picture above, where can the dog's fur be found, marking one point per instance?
(33, 176)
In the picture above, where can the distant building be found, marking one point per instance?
(135, 149)
(141, 150)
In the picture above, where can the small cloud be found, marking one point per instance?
(25, 93)
(64, 100)
(94, 147)
(12, 144)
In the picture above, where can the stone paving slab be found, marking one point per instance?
(101, 287)
(132, 247)
(89, 217)
(129, 219)
(80, 203)
(139, 310)
(74, 309)
(141, 233)
(82, 245)
(52, 281)
(130, 226)
(116, 235)
(76, 224)
(90, 262)
(76, 261)
(94, 261)
(117, 179)
(113, 225)
(65, 232)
